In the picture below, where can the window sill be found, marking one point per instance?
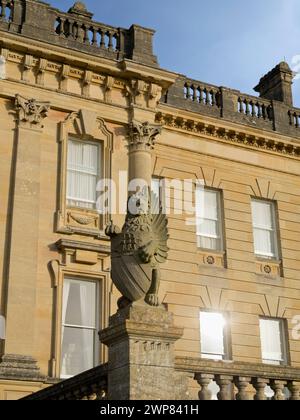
(211, 258)
(268, 267)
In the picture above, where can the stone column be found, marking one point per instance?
(21, 290)
(140, 342)
(141, 140)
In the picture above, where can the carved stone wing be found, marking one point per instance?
(160, 230)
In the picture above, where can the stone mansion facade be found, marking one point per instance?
(69, 89)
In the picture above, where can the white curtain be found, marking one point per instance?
(271, 340)
(208, 219)
(264, 228)
(212, 335)
(83, 173)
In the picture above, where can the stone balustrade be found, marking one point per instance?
(77, 30)
(202, 94)
(294, 116)
(90, 385)
(255, 107)
(242, 381)
(232, 105)
(105, 39)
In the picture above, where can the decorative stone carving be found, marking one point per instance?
(141, 246)
(142, 136)
(31, 110)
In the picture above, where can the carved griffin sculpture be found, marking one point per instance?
(139, 249)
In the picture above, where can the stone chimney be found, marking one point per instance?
(277, 84)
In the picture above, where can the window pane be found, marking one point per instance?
(209, 223)
(264, 228)
(262, 214)
(264, 242)
(83, 174)
(271, 340)
(208, 228)
(212, 334)
(207, 204)
(209, 243)
(79, 303)
(77, 351)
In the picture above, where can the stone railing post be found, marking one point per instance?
(204, 381)
(242, 385)
(141, 40)
(294, 388)
(229, 103)
(140, 342)
(39, 20)
(225, 383)
(278, 388)
(260, 387)
(281, 118)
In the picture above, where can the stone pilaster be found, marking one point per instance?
(24, 235)
(140, 342)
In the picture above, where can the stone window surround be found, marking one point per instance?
(82, 125)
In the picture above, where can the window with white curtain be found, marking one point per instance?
(83, 173)
(273, 341)
(209, 219)
(264, 228)
(214, 335)
(80, 323)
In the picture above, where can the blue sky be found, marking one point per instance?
(230, 43)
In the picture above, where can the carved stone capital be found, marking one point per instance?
(142, 136)
(31, 110)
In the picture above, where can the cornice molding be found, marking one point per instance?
(233, 136)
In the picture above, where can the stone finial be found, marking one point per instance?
(80, 9)
(142, 135)
(31, 110)
(277, 84)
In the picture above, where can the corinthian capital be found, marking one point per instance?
(142, 135)
(31, 110)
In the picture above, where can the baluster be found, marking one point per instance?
(86, 38)
(260, 387)
(95, 32)
(294, 388)
(110, 41)
(290, 117)
(213, 98)
(252, 105)
(188, 92)
(242, 384)
(259, 112)
(297, 118)
(201, 96)
(264, 111)
(278, 387)
(194, 93)
(61, 27)
(240, 106)
(75, 31)
(247, 107)
(204, 380)
(207, 97)
(102, 39)
(225, 384)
